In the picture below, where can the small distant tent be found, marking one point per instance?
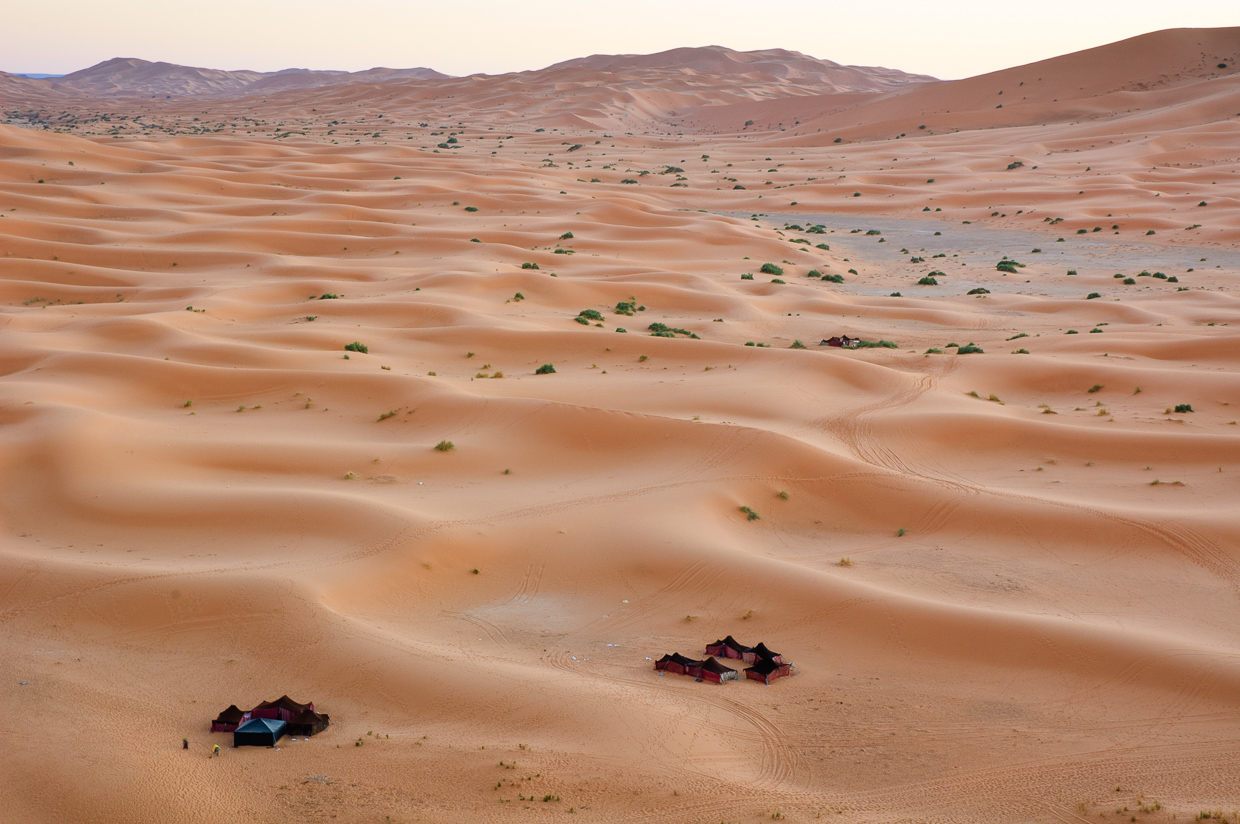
(678, 664)
(283, 709)
(308, 723)
(767, 670)
(259, 732)
(229, 719)
(763, 651)
(841, 340)
(711, 670)
(727, 648)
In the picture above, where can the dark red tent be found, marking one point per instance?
(678, 664)
(283, 708)
(727, 648)
(767, 670)
(763, 651)
(711, 670)
(307, 723)
(229, 719)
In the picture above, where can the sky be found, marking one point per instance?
(944, 38)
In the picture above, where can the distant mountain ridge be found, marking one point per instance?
(130, 76)
(778, 64)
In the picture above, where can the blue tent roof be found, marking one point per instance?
(262, 725)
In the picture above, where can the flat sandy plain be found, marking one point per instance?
(206, 500)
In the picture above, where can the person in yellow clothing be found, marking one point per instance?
(215, 750)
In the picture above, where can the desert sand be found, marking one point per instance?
(1009, 580)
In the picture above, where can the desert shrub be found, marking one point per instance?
(934, 351)
(750, 515)
(628, 180)
(590, 314)
(661, 330)
(1092, 296)
(1015, 165)
(881, 344)
(747, 276)
(979, 291)
(545, 369)
(813, 273)
(471, 208)
(927, 281)
(1183, 407)
(833, 278)
(582, 321)
(1008, 266)
(529, 265)
(355, 346)
(796, 344)
(444, 446)
(777, 280)
(1097, 387)
(771, 269)
(328, 296)
(566, 236)
(970, 349)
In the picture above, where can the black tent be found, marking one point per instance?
(228, 720)
(763, 651)
(259, 732)
(308, 722)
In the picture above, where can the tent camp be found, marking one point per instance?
(727, 648)
(711, 670)
(678, 664)
(229, 719)
(259, 732)
(307, 723)
(763, 651)
(283, 709)
(767, 670)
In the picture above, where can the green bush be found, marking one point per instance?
(328, 296)
(1092, 296)
(927, 281)
(833, 278)
(545, 369)
(590, 314)
(357, 347)
(529, 265)
(1183, 407)
(471, 208)
(771, 269)
(796, 344)
(979, 291)
(970, 349)
(566, 236)
(1008, 266)
(444, 446)
(747, 276)
(750, 515)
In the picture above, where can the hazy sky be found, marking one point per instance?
(945, 38)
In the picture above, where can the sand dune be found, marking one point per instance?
(1009, 580)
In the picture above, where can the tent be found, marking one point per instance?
(307, 723)
(728, 648)
(763, 651)
(229, 719)
(678, 664)
(711, 670)
(767, 670)
(259, 732)
(283, 708)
